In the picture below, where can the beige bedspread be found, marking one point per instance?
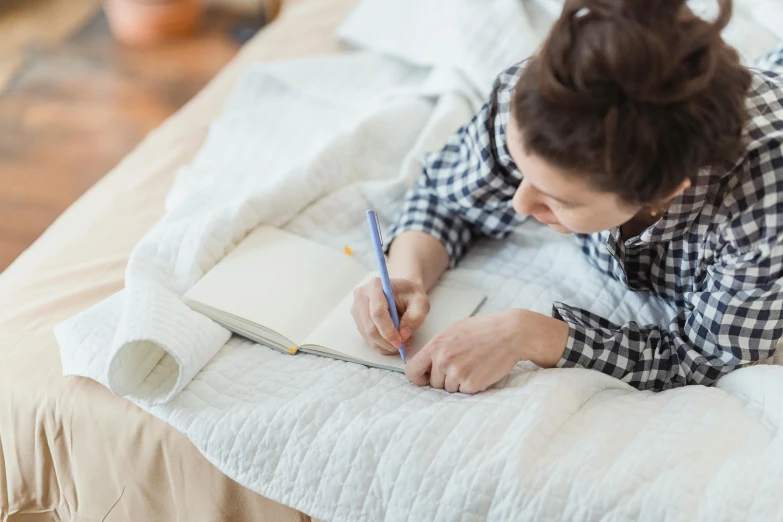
(69, 449)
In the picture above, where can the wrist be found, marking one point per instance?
(417, 257)
(539, 339)
(517, 333)
(411, 276)
(407, 271)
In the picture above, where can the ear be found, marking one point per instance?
(686, 184)
(664, 203)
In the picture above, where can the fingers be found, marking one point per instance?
(373, 319)
(372, 334)
(360, 328)
(437, 377)
(424, 371)
(435, 365)
(379, 313)
(364, 323)
(418, 368)
(416, 310)
(451, 384)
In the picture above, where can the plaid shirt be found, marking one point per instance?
(717, 252)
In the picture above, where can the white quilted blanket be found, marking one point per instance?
(309, 145)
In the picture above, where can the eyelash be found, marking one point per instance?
(564, 206)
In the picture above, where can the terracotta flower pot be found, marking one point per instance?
(143, 22)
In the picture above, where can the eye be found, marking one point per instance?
(563, 205)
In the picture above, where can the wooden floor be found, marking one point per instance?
(29, 24)
(72, 111)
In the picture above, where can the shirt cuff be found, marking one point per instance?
(584, 331)
(425, 216)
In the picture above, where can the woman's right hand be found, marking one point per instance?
(370, 311)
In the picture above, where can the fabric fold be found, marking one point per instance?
(343, 442)
(158, 350)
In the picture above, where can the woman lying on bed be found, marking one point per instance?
(637, 130)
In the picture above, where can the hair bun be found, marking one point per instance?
(648, 51)
(635, 96)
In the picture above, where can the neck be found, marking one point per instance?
(641, 221)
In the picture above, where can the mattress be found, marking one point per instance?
(69, 449)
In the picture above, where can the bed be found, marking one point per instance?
(69, 449)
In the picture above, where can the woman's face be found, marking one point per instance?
(560, 199)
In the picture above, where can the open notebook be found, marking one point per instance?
(294, 294)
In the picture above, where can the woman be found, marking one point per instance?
(636, 129)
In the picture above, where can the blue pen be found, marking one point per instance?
(377, 244)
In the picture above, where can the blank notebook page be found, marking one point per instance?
(447, 305)
(279, 280)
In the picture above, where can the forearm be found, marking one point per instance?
(645, 356)
(418, 257)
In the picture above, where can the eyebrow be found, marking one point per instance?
(556, 198)
(564, 202)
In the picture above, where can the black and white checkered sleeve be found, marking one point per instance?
(772, 60)
(733, 315)
(733, 320)
(728, 327)
(465, 189)
(725, 330)
(737, 322)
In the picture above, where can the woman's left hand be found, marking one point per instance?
(475, 353)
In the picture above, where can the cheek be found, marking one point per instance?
(590, 220)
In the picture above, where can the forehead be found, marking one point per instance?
(545, 176)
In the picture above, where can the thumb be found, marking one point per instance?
(414, 316)
(418, 368)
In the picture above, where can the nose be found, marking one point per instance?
(527, 201)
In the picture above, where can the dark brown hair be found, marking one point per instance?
(638, 95)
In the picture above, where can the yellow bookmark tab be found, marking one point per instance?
(348, 251)
(293, 350)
